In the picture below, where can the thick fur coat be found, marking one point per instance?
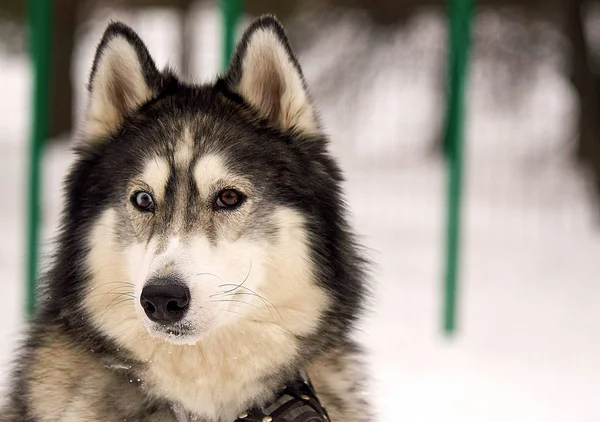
(204, 257)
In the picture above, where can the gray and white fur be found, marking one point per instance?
(204, 256)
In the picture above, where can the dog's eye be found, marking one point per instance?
(143, 201)
(229, 198)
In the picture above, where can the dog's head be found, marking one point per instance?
(208, 206)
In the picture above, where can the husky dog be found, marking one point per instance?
(204, 258)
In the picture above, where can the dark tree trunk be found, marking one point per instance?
(587, 84)
(61, 90)
(186, 38)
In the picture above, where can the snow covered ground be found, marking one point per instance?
(528, 345)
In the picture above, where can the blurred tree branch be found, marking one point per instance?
(587, 83)
(61, 88)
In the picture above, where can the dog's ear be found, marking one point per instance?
(123, 78)
(266, 74)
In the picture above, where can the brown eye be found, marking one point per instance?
(143, 201)
(229, 198)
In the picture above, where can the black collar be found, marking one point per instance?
(297, 402)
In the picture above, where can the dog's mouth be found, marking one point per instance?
(176, 333)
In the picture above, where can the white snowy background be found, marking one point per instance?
(528, 344)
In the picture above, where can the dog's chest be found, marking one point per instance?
(297, 402)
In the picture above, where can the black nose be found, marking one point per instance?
(165, 302)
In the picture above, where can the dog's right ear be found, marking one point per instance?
(123, 78)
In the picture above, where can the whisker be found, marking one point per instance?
(233, 312)
(112, 290)
(131, 295)
(264, 299)
(242, 283)
(117, 294)
(116, 304)
(238, 305)
(119, 282)
(231, 292)
(117, 298)
(278, 326)
(211, 274)
(234, 300)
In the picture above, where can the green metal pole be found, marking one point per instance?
(232, 12)
(40, 18)
(461, 16)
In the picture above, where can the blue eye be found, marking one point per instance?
(143, 201)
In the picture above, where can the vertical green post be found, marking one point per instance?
(232, 12)
(461, 16)
(40, 20)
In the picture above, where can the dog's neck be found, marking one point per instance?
(222, 374)
(297, 399)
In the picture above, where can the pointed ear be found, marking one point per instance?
(266, 74)
(123, 78)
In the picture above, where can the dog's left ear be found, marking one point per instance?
(266, 74)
